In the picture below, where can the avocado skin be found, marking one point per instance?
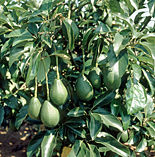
(84, 89)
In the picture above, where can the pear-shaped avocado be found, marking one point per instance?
(50, 115)
(34, 108)
(109, 20)
(111, 81)
(95, 77)
(84, 89)
(58, 92)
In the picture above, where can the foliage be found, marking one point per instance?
(81, 35)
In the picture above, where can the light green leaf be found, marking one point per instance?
(142, 145)
(151, 5)
(149, 37)
(4, 30)
(18, 33)
(46, 6)
(117, 64)
(152, 125)
(109, 119)
(15, 6)
(35, 143)
(117, 43)
(136, 72)
(4, 19)
(94, 152)
(1, 114)
(150, 106)
(14, 55)
(95, 125)
(49, 143)
(135, 97)
(134, 3)
(76, 112)
(110, 142)
(102, 28)
(22, 39)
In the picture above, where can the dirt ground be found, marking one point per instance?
(14, 144)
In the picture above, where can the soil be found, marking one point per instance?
(14, 144)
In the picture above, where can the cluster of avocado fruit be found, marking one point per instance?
(48, 112)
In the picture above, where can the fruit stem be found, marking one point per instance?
(83, 55)
(57, 68)
(69, 10)
(47, 88)
(35, 93)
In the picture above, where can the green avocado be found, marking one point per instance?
(50, 115)
(34, 108)
(95, 77)
(111, 81)
(84, 89)
(124, 136)
(58, 92)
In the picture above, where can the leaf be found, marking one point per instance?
(6, 46)
(94, 152)
(46, 40)
(136, 72)
(104, 99)
(33, 68)
(22, 39)
(46, 6)
(108, 119)
(134, 138)
(32, 28)
(117, 43)
(4, 19)
(151, 81)
(118, 64)
(69, 33)
(41, 70)
(95, 125)
(15, 6)
(149, 37)
(142, 145)
(49, 143)
(18, 33)
(110, 142)
(78, 149)
(102, 28)
(151, 7)
(129, 22)
(149, 107)
(152, 125)
(35, 19)
(35, 143)
(1, 114)
(135, 98)
(75, 122)
(134, 3)
(4, 30)
(21, 116)
(76, 112)
(78, 131)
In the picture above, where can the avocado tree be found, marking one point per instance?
(84, 69)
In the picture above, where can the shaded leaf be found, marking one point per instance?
(94, 152)
(1, 114)
(149, 107)
(32, 28)
(95, 125)
(75, 122)
(142, 145)
(46, 6)
(35, 143)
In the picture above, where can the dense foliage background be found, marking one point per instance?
(109, 34)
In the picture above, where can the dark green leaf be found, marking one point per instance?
(35, 143)
(94, 152)
(4, 19)
(35, 19)
(134, 138)
(76, 112)
(78, 149)
(22, 39)
(78, 131)
(75, 122)
(151, 81)
(151, 7)
(95, 125)
(46, 40)
(21, 116)
(46, 6)
(1, 114)
(69, 33)
(110, 142)
(49, 143)
(142, 145)
(33, 68)
(32, 28)
(108, 119)
(135, 97)
(104, 99)
(136, 72)
(4, 30)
